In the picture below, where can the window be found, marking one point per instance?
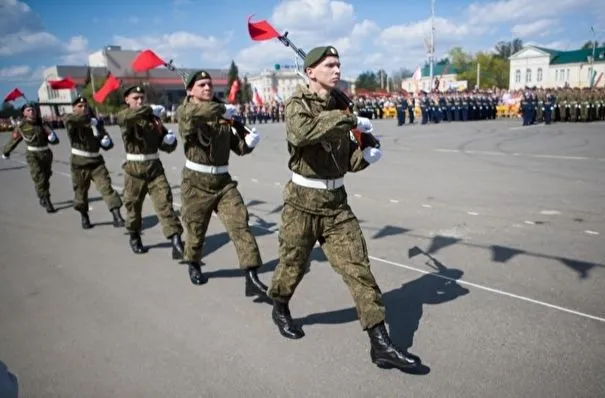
(517, 76)
(562, 74)
(556, 74)
(567, 78)
(539, 75)
(589, 75)
(528, 75)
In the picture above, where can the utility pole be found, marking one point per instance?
(594, 44)
(432, 45)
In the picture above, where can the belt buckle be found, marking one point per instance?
(331, 184)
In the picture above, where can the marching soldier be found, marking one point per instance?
(39, 157)
(143, 135)
(208, 139)
(87, 136)
(316, 209)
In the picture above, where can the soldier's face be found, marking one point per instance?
(135, 100)
(80, 109)
(29, 113)
(202, 90)
(326, 73)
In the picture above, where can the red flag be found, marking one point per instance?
(261, 30)
(111, 84)
(63, 84)
(233, 92)
(146, 60)
(257, 98)
(13, 95)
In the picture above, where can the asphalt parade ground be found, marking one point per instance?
(486, 239)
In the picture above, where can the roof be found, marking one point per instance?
(574, 56)
(438, 69)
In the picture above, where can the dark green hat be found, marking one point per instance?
(195, 76)
(27, 105)
(317, 54)
(137, 88)
(79, 100)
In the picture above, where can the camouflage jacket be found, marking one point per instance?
(320, 147)
(34, 134)
(207, 137)
(143, 133)
(81, 137)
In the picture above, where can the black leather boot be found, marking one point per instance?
(85, 220)
(195, 273)
(136, 244)
(282, 318)
(118, 221)
(177, 247)
(48, 204)
(254, 287)
(386, 355)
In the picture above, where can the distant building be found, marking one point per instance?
(535, 66)
(279, 83)
(445, 72)
(167, 85)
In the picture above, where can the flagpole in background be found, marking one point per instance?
(432, 48)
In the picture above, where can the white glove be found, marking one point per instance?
(94, 122)
(169, 138)
(157, 110)
(52, 137)
(364, 125)
(105, 141)
(4, 156)
(230, 112)
(372, 155)
(252, 138)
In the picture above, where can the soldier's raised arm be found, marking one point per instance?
(15, 139)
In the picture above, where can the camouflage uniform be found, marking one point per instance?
(323, 151)
(142, 134)
(88, 165)
(207, 186)
(39, 157)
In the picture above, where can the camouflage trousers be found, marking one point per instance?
(82, 176)
(135, 190)
(40, 169)
(200, 201)
(343, 244)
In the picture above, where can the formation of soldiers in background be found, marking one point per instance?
(562, 105)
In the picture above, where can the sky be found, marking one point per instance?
(370, 35)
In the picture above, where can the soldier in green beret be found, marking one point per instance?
(39, 157)
(316, 209)
(209, 137)
(143, 135)
(87, 136)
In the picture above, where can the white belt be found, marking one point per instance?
(317, 183)
(85, 154)
(137, 157)
(37, 148)
(203, 168)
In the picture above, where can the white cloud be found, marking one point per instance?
(182, 47)
(22, 33)
(536, 28)
(21, 74)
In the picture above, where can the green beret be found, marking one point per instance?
(134, 88)
(317, 54)
(79, 100)
(195, 76)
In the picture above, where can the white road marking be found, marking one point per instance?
(472, 213)
(491, 290)
(277, 183)
(253, 180)
(357, 195)
(524, 127)
(427, 206)
(589, 232)
(550, 212)
(529, 222)
(393, 201)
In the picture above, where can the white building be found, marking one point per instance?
(542, 67)
(282, 81)
(446, 74)
(62, 98)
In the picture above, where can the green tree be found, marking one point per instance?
(8, 110)
(504, 49)
(588, 44)
(398, 76)
(245, 93)
(367, 81)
